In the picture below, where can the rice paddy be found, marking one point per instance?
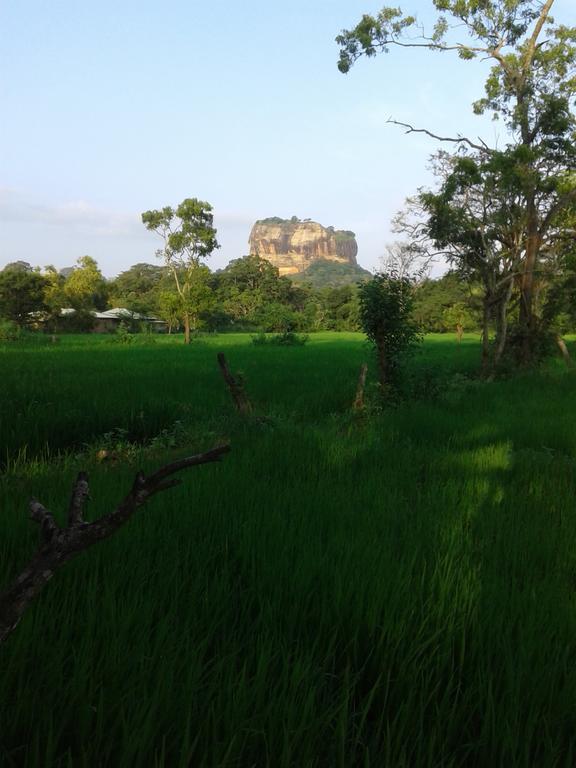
(392, 590)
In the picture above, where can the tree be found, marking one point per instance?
(531, 87)
(199, 297)
(21, 266)
(137, 288)
(247, 286)
(21, 295)
(386, 304)
(188, 236)
(168, 307)
(85, 288)
(459, 318)
(54, 295)
(433, 299)
(474, 220)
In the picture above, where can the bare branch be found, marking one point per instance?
(482, 147)
(191, 461)
(40, 514)
(59, 545)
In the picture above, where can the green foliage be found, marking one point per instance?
(188, 235)
(434, 300)
(86, 289)
(137, 288)
(81, 321)
(386, 304)
(323, 273)
(521, 194)
(276, 317)
(123, 334)
(278, 220)
(9, 331)
(459, 316)
(21, 295)
(253, 294)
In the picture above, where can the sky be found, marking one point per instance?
(113, 108)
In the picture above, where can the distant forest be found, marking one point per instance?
(249, 294)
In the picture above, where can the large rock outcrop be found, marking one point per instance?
(293, 245)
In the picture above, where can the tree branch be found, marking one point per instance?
(483, 147)
(532, 43)
(58, 545)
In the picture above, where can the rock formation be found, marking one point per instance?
(293, 245)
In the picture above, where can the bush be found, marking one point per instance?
(286, 339)
(123, 335)
(386, 304)
(9, 331)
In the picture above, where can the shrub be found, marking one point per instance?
(286, 339)
(9, 331)
(386, 304)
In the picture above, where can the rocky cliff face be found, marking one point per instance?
(293, 245)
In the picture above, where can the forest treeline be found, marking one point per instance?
(249, 294)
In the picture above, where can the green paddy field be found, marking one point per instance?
(396, 590)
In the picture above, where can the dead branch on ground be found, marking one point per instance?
(58, 545)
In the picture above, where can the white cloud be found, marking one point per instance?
(80, 215)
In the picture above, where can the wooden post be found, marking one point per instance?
(235, 387)
(359, 399)
(564, 351)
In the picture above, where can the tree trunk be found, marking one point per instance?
(382, 363)
(502, 325)
(527, 316)
(486, 335)
(186, 328)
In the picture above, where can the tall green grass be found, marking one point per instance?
(397, 591)
(58, 397)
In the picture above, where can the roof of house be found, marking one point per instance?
(116, 313)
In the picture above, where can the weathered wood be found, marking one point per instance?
(564, 351)
(58, 545)
(235, 387)
(359, 399)
(80, 495)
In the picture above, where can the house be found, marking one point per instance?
(109, 320)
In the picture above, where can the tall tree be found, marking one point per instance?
(531, 87)
(21, 295)
(86, 287)
(188, 236)
(475, 221)
(138, 288)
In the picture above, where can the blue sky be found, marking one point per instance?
(112, 108)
